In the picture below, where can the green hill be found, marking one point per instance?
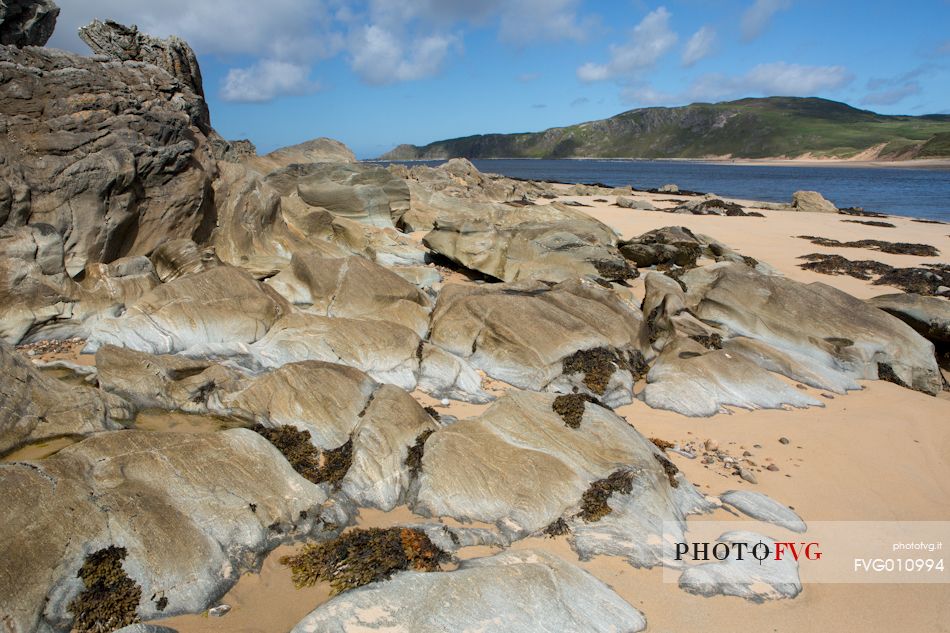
(747, 128)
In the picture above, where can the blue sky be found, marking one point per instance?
(377, 73)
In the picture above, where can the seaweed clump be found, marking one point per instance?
(594, 500)
(571, 407)
(360, 557)
(895, 248)
(414, 456)
(110, 599)
(709, 341)
(838, 265)
(557, 528)
(615, 270)
(669, 469)
(661, 444)
(927, 280)
(597, 365)
(313, 464)
(886, 225)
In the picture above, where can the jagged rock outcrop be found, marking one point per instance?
(114, 156)
(128, 44)
(27, 22)
(35, 407)
(529, 590)
(576, 336)
(929, 316)
(146, 498)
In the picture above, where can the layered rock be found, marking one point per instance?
(833, 330)
(114, 156)
(529, 590)
(220, 306)
(34, 407)
(929, 316)
(146, 498)
(552, 471)
(318, 150)
(812, 202)
(352, 287)
(577, 336)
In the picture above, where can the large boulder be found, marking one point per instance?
(577, 336)
(835, 331)
(35, 407)
(352, 287)
(223, 305)
(541, 251)
(812, 202)
(113, 155)
(149, 509)
(522, 467)
(527, 591)
(364, 193)
(27, 22)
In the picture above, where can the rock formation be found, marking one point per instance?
(27, 22)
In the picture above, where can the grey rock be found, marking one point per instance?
(691, 380)
(763, 508)
(812, 202)
(148, 492)
(746, 578)
(632, 203)
(27, 22)
(548, 467)
(830, 328)
(35, 407)
(522, 333)
(529, 590)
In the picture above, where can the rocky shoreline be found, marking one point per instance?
(210, 356)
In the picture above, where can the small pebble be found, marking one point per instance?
(712, 445)
(445, 402)
(746, 454)
(747, 475)
(220, 610)
(772, 467)
(783, 440)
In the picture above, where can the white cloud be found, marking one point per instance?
(381, 57)
(530, 20)
(266, 80)
(757, 17)
(764, 80)
(890, 96)
(649, 41)
(700, 45)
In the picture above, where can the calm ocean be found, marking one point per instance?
(918, 193)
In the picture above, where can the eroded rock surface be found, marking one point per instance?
(27, 22)
(529, 590)
(147, 493)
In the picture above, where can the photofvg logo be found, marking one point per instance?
(761, 551)
(753, 552)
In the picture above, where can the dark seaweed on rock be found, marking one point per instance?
(360, 557)
(414, 456)
(669, 468)
(597, 365)
(927, 280)
(110, 598)
(886, 225)
(895, 248)
(594, 501)
(557, 528)
(312, 464)
(571, 407)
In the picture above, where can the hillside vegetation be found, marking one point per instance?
(748, 128)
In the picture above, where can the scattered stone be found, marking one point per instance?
(711, 445)
(783, 440)
(219, 611)
(763, 508)
(747, 475)
(773, 468)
